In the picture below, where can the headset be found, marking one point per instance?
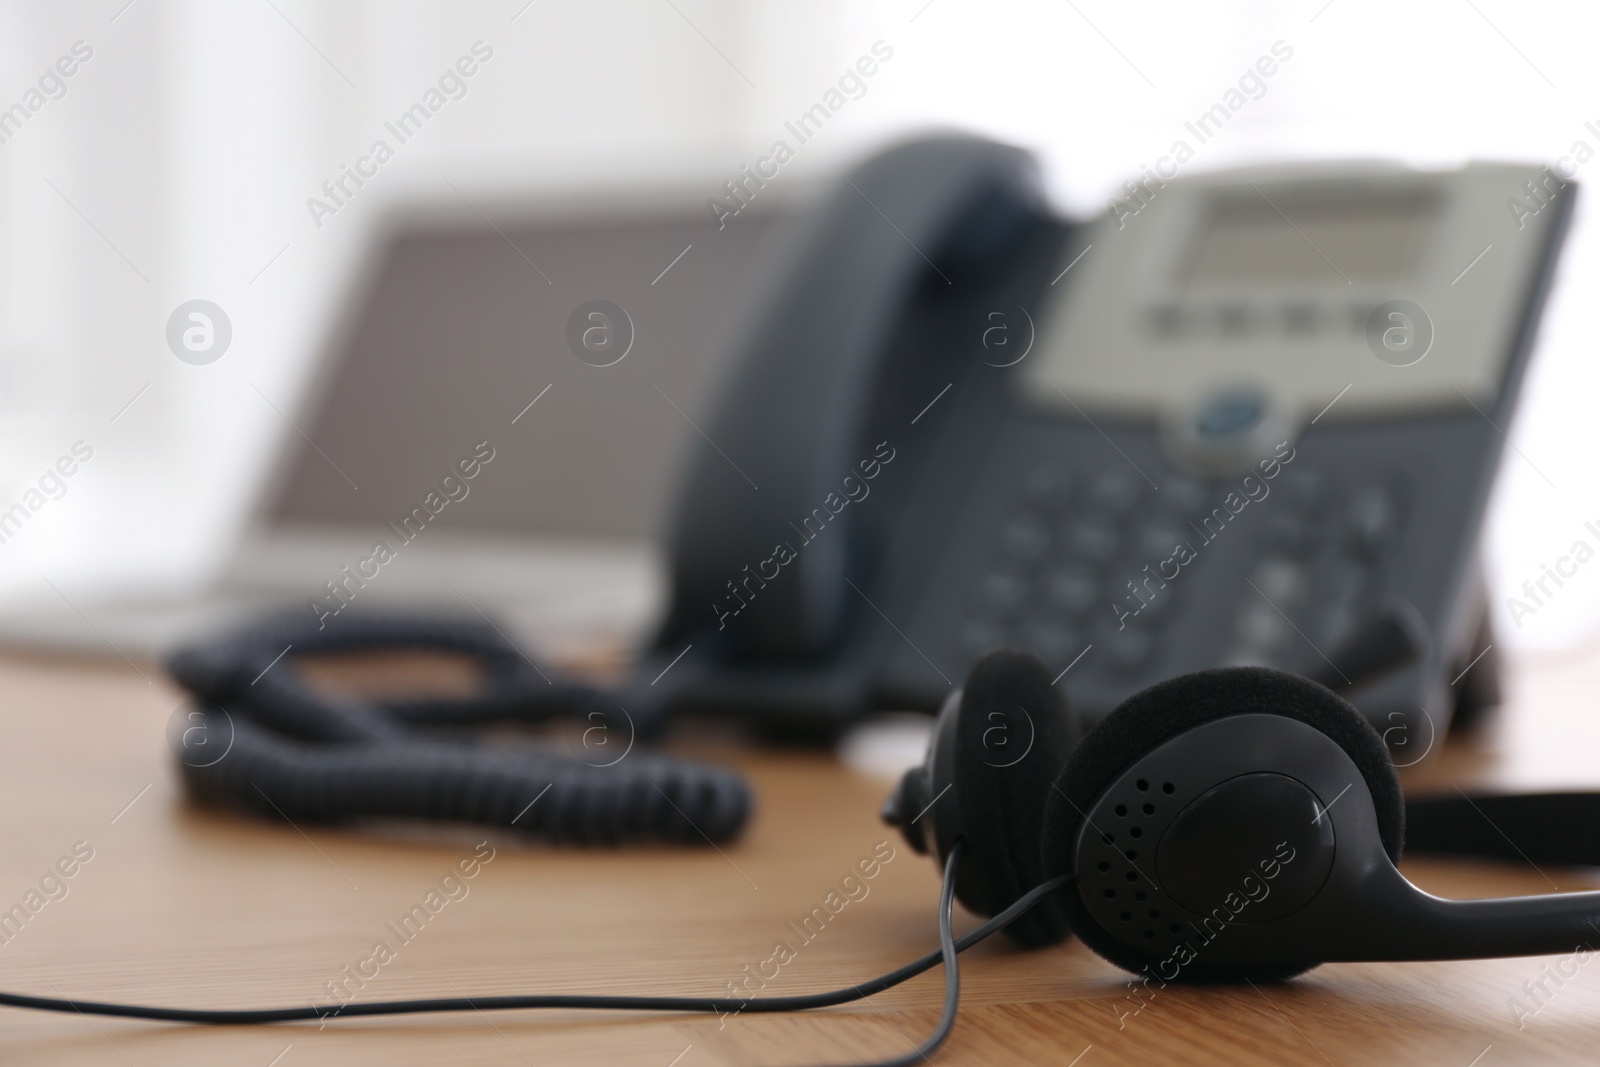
(1235, 824)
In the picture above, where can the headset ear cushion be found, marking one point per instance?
(1148, 718)
(1013, 735)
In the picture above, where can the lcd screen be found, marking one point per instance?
(1299, 238)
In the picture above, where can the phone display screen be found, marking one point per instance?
(1279, 278)
(1244, 238)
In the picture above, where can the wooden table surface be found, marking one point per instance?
(181, 906)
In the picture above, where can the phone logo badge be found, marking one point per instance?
(600, 333)
(1001, 348)
(1005, 735)
(198, 332)
(200, 735)
(1399, 333)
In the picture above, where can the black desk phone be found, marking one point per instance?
(1228, 422)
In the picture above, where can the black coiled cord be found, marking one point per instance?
(262, 740)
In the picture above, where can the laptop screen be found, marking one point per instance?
(581, 350)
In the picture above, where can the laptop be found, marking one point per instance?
(495, 427)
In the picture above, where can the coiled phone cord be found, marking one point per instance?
(949, 947)
(262, 740)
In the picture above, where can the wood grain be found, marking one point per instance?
(181, 906)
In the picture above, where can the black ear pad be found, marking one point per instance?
(1013, 734)
(1149, 718)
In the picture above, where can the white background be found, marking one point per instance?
(179, 163)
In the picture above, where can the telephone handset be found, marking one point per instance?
(789, 511)
(960, 422)
(824, 383)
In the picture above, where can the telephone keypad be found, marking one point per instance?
(1059, 568)
(1327, 551)
(1059, 575)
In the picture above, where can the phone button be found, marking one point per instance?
(1280, 581)
(1115, 491)
(1301, 320)
(1309, 490)
(1230, 415)
(1168, 321)
(1026, 537)
(1233, 320)
(1375, 519)
(1051, 641)
(1159, 606)
(1295, 534)
(1262, 630)
(1162, 538)
(1345, 578)
(1072, 588)
(1183, 496)
(1227, 432)
(1336, 622)
(1130, 647)
(1003, 591)
(1092, 539)
(1048, 485)
(982, 636)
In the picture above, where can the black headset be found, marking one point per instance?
(1239, 823)
(1230, 825)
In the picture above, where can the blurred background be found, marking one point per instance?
(186, 155)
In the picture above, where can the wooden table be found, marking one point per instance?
(180, 906)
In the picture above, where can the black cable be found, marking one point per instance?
(952, 971)
(799, 1002)
(264, 740)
